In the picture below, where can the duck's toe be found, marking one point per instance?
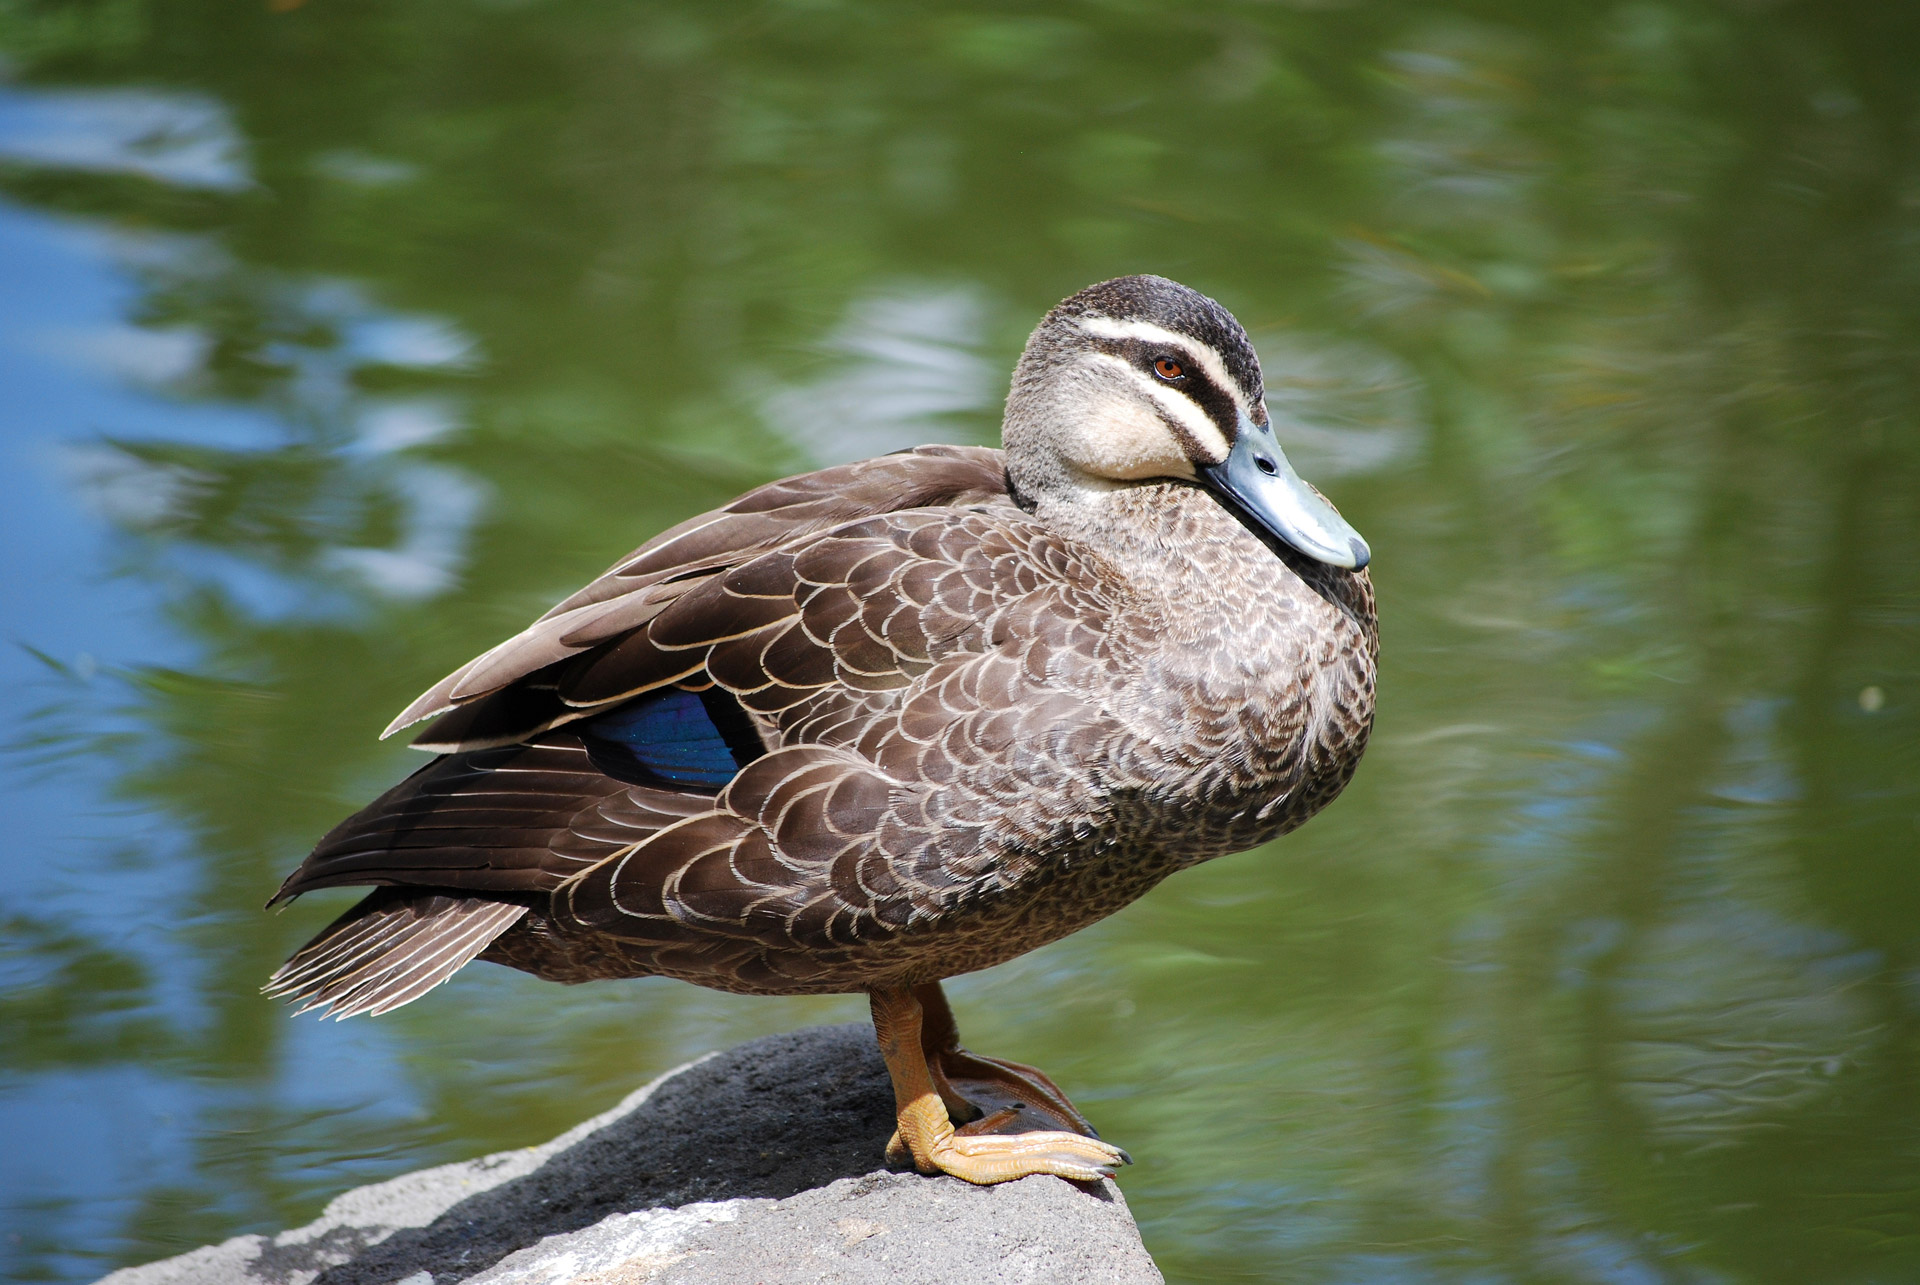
(1002, 1157)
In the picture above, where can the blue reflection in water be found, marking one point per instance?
(87, 1143)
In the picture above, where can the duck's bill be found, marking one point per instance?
(1257, 477)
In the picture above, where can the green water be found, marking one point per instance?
(338, 340)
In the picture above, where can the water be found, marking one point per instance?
(338, 341)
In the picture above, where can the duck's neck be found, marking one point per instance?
(1174, 542)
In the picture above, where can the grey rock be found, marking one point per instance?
(756, 1165)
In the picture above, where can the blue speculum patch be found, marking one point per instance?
(694, 739)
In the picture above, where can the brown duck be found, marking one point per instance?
(875, 726)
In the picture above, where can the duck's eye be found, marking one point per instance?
(1169, 369)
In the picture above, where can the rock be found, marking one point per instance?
(756, 1165)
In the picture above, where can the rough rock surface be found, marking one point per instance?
(755, 1166)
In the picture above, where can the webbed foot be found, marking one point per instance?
(936, 1081)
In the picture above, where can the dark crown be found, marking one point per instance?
(1178, 308)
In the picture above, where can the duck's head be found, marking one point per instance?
(1139, 380)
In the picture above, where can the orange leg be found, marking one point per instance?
(969, 1080)
(926, 1129)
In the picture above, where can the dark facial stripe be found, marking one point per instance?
(1214, 401)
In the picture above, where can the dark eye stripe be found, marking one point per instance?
(1216, 401)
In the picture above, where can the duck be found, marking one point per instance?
(873, 727)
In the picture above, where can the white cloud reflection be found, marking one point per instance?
(130, 492)
(391, 426)
(135, 354)
(183, 139)
(418, 343)
(910, 361)
(440, 505)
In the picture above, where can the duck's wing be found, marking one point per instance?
(508, 693)
(928, 675)
(516, 806)
(911, 675)
(913, 651)
(818, 865)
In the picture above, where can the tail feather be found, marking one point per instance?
(389, 950)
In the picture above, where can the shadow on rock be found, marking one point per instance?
(771, 1119)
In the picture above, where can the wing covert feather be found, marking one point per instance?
(640, 587)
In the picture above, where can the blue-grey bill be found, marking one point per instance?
(1258, 478)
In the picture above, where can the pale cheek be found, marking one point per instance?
(1131, 444)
